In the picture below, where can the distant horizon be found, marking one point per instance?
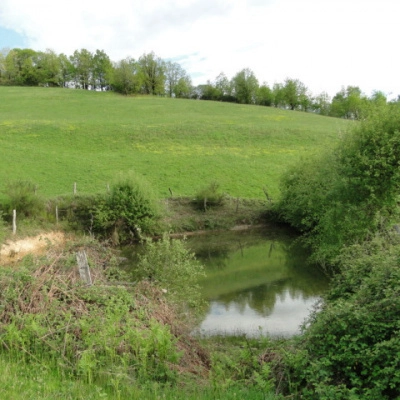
(327, 45)
(390, 96)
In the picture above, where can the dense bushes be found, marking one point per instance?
(352, 344)
(21, 196)
(346, 203)
(169, 264)
(110, 331)
(347, 195)
(128, 209)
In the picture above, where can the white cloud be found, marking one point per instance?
(324, 43)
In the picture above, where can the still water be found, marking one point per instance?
(258, 282)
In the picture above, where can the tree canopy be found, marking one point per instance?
(149, 74)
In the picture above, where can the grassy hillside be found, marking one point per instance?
(56, 137)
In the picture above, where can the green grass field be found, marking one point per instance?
(55, 137)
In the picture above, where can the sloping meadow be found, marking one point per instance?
(58, 137)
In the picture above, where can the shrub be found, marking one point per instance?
(131, 207)
(209, 196)
(168, 263)
(47, 313)
(352, 344)
(21, 196)
(346, 196)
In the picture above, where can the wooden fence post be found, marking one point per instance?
(14, 225)
(57, 215)
(74, 188)
(83, 267)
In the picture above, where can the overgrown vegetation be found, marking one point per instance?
(168, 263)
(128, 209)
(22, 196)
(128, 340)
(106, 331)
(209, 196)
(346, 196)
(346, 204)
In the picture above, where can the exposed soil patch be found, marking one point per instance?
(13, 251)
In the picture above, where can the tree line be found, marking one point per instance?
(149, 74)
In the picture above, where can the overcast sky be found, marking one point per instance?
(326, 44)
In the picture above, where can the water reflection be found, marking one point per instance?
(256, 283)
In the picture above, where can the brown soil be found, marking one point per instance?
(14, 251)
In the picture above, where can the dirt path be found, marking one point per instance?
(13, 251)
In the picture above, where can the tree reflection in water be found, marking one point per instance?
(256, 280)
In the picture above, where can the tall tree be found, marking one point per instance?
(349, 103)
(49, 67)
(295, 94)
(278, 95)
(3, 70)
(20, 67)
(173, 72)
(224, 88)
(152, 72)
(67, 70)
(83, 68)
(102, 69)
(245, 86)
(183, 88)
(265, 96)
(126, 77)
(322, 104)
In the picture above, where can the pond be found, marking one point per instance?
(258, 282)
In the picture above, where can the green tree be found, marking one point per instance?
(322, 104)
(126, 78)
(183, 88)
(82, 62)
(265, 96)
(245, 86)
(295, 94)
(102, 70)
(173, 72)
(349, 103)
(223, 88)
(48, 65)
(66, 70)
(278, 95)
(152, 71)
(209, 91)
(20, 66)
(3, 70)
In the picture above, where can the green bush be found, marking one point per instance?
(123, 214)
(209, 196)
(169, 264)
(352, 345)
(95, 332)
(129, 209)
(22, 197)
(346, 196)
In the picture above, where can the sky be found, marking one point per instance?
(326, 44)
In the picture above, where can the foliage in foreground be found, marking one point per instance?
(351, 347)
(114, 339)
(346, 196)
(98, 332)
(173, 268)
